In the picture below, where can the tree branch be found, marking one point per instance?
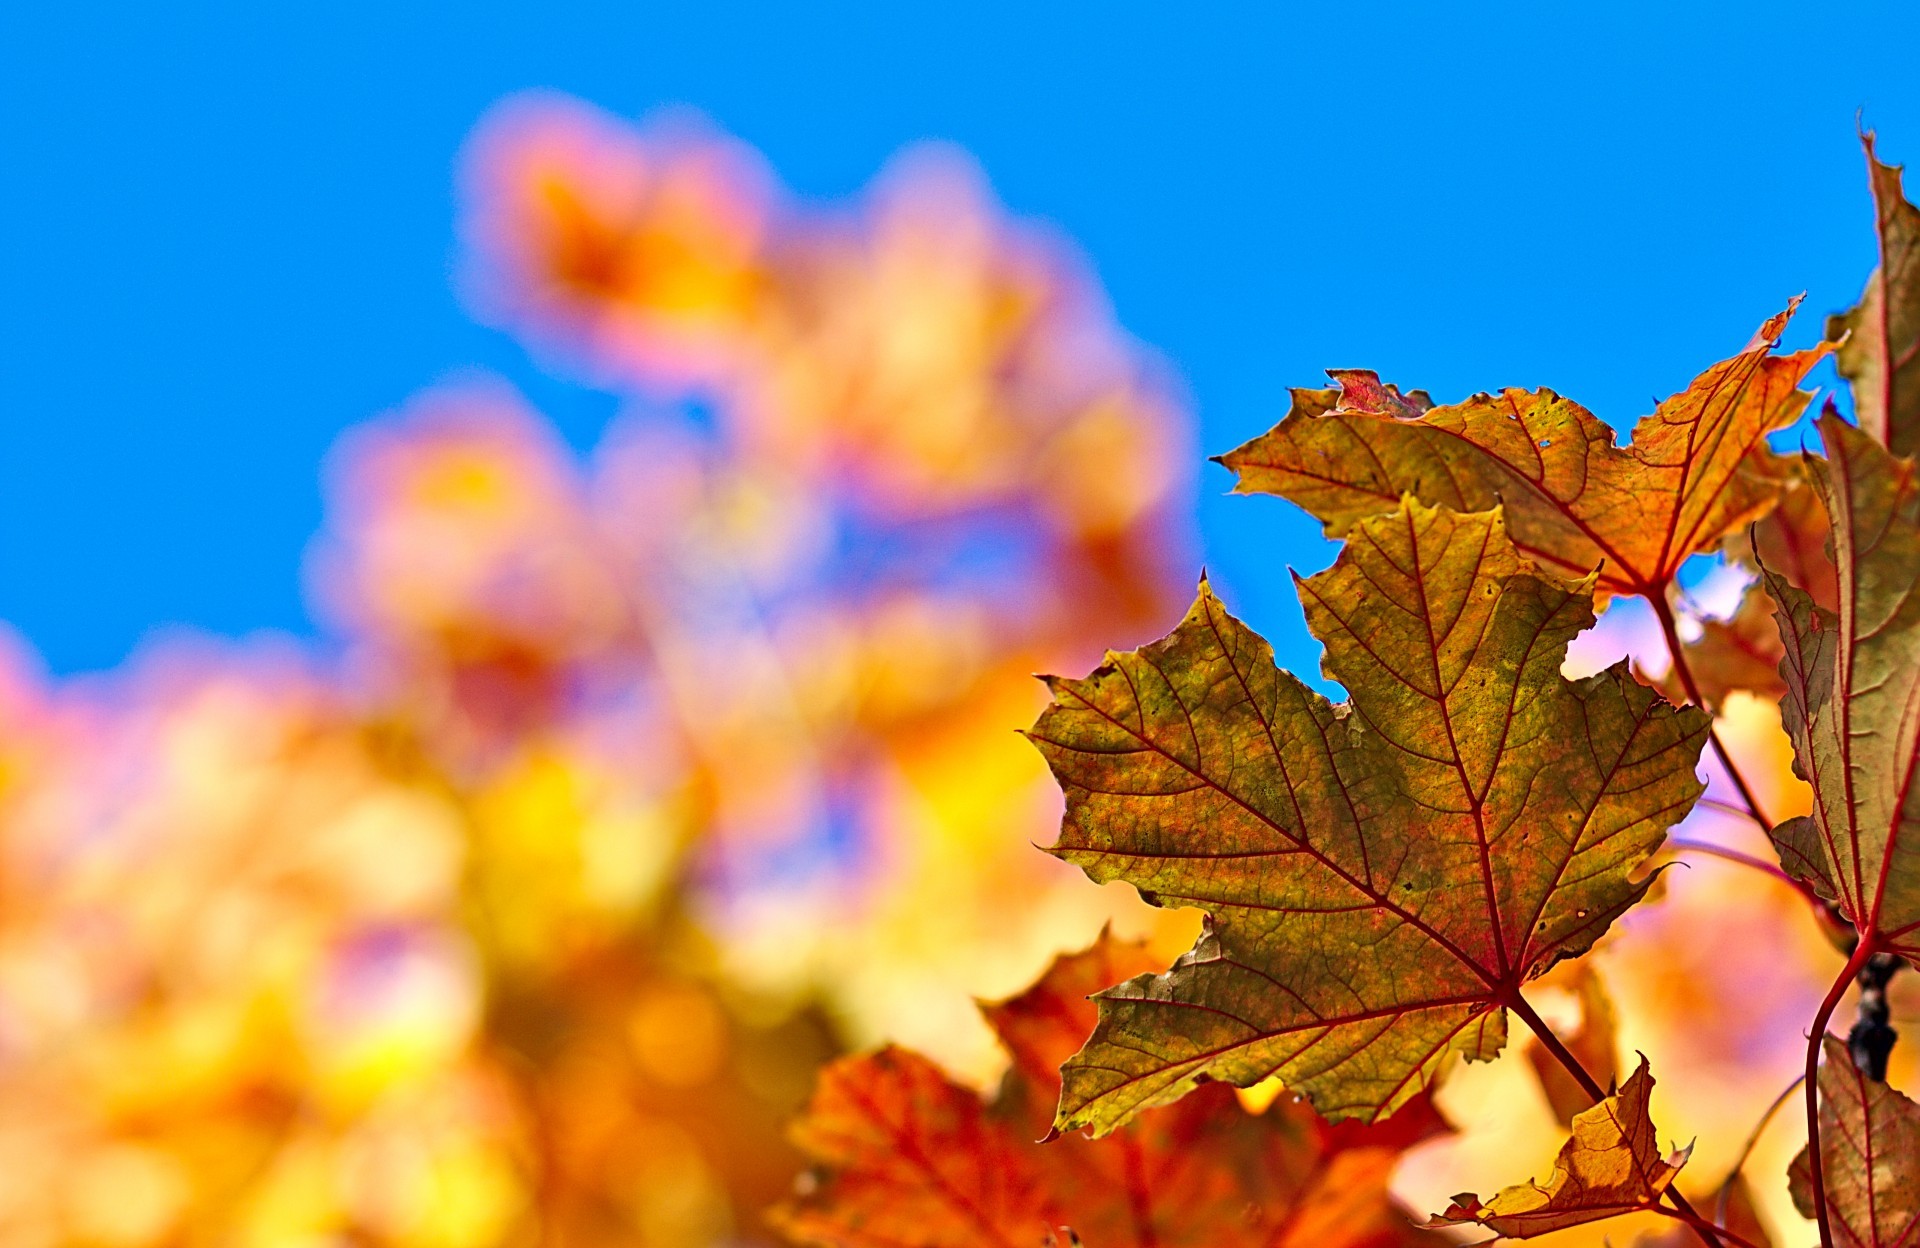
(1872, 1037)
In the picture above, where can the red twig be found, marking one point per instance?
(1683, 845)
(1861, 952)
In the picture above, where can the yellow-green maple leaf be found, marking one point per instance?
(1381, 876)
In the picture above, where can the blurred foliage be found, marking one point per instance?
(626, 788)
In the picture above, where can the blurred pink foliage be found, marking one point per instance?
(629, 786)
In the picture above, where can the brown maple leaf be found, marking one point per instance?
(1853, 689)
(905, 1156)
(1379, 877)
(1869, 1155)
(1879, 339)
(1695, 470)
(1612, 1166)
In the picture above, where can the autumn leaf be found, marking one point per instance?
(1379, 877)
(1612, 1166)
(907, 1156)
(1592, 1042)
(1853, 683)
(1696, 470)
(1869, 1157)
(1879, 340)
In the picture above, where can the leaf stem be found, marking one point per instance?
(1663, 611)
(1815, 1170)
(1872, 1037)
(1685, 845)
(1682, 1208)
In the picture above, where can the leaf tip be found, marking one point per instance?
(1767, 337)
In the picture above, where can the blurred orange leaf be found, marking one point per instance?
(907, 1156)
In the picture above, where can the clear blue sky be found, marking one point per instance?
(227, 230)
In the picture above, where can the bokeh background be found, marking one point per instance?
(525, 534)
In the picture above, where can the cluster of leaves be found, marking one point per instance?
(524, 907)
(1382, 878)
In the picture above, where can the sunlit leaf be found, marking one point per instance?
(1880, 353)
(1853, 683)
(1695, 470)
(906, 1155)
(1613, 1165)
(1869, 1157)
(1379, 877)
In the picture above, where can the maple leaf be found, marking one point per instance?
(1379, 877)
(1853, 683)
(1879, 339)
(1696, 470)
(1613, 1165)
(907, 1156)
(1869, 1155)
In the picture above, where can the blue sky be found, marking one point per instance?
(228, 230)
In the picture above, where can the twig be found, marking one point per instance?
(1726, 808)
(1872, 1037)
(1685, 845)
(1761, 865)
(1815, 1170)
